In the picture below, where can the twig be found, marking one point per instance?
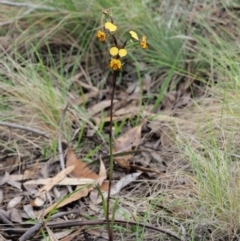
(25, 128)
(60, 149)
(31, 232)
(74, 223)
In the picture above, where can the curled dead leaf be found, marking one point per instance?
(81, 169)
(14, 202)
(125, 143)
(15, 215)
(99, 107)
(115, 189)
(29, 211)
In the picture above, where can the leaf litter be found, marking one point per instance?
(80, 174)
(80, 170)
(125, 143)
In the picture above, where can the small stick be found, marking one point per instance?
(74, 223)
(25, 128)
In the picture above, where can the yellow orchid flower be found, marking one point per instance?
(115, 64)
(114, 51)
(143, 42)
(101, 36)
(110, 26)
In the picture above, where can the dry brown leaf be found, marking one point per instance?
(100, 106)
(66, 181)
(81, 169)
(21, 177)
(13, 183)
(125, 143)
(15, 215)
(116, 188)
(53, 181)
(29, 211)
(14, 202)
(104, 185)
(125, 114)
(4, 179)
(123, 182)
(102, 173)
(83, 192)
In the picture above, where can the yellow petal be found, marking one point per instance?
(144, 38)
(110, 26)
(113, 51)
(122, 52)
(134, 35)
